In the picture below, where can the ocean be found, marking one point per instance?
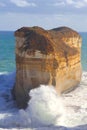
(68, 112)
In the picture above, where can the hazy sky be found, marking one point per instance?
(45, 13)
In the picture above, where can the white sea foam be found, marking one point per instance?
(46, 110)
(45, 107)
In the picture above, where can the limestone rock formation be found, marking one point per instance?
(50, 57)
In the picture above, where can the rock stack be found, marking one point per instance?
(49, 57)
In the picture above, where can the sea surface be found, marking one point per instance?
(46, 110)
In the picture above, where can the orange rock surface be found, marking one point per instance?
(50, 57)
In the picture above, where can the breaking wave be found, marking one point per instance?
(46, 110)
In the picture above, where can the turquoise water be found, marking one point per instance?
(7, 51)
(84, 50)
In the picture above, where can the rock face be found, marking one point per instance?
(50, 57)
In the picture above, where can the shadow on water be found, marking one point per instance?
(80, 127)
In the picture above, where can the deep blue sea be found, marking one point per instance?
(7, 51)
(46, 109)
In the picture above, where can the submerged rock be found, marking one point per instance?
(50, 57)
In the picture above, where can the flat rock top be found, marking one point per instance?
(24, 31)
(65, 31)
(48, 41)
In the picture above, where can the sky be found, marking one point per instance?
(48, 14)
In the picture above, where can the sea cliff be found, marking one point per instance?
(49, 57)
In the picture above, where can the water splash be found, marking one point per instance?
(45, 107)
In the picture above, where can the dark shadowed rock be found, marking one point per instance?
(50, 57)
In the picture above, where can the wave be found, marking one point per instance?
(46, 110)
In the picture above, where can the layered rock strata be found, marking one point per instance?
(49, 57)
